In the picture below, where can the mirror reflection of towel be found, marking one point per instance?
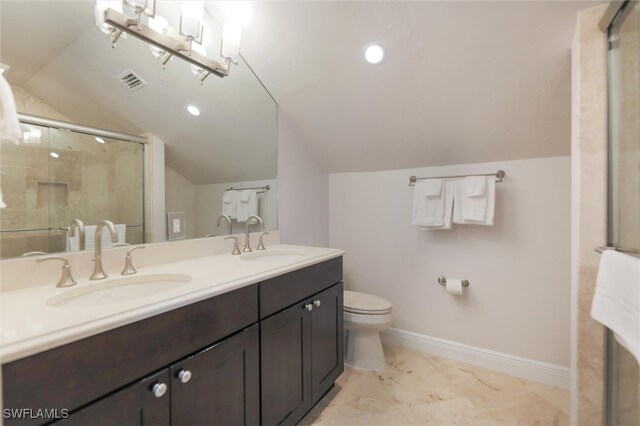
(230, 203)
(247, 205)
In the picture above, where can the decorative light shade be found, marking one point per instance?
(197, 47)
(160, 25)
(191, 19)
(101, 7)
(231, 33)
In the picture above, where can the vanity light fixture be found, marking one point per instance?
(54, 154)
(193, 110)
(185, 42)
(374, 53)
(99, 140)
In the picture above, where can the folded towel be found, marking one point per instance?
(475, 185)
(245, 195)
(616, 303)
(474, 210)
(229, 204)
(448, 209)
(249, 207)
(431, 211)
(9, 124)
(432, 188)
(90, 235)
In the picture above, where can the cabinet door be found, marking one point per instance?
(224, 384)
(135, 405)
(327, 341)
(286, 365)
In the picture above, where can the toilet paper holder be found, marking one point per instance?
(443, 281)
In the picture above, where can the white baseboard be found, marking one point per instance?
(537, 371)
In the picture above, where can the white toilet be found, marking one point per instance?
(365, 317)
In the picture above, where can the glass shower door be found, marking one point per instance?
(623, 377)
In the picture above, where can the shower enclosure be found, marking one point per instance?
(623, 32)
(61, 171)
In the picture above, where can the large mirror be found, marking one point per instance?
(107, 134)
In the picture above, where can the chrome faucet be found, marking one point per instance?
(98, 272)
(247, 243)
(228, 219)
(77, 225)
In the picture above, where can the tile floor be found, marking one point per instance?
(420, 389)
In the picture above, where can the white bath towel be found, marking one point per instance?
(230, 203)
(429, 211)
(9, 124)
(475, 185)
(616, 302)
(90, 236)
(247, 205)
(474, 210)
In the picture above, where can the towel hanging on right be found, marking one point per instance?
(474, 200)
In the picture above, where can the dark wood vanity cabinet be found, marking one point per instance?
(261, 354)
(224, 384)
(302, 346)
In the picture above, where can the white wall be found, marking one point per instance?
(519, 269)
(303, 192)
(180, 196)
(209, 207)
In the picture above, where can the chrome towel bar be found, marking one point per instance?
(500, 174)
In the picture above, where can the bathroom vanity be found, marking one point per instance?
(262, 348)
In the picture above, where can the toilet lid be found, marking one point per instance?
(362, 303)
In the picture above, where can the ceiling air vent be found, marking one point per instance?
(132, 80)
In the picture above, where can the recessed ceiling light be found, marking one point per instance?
(193, 110)
(374, 53)
(54, 154)
(99, 140)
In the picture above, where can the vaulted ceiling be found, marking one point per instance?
(461, 82)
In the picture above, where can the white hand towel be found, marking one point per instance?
(465, 207)
(448, 209)
(9, 124)
(432, 188)
(230, 204)
(430, 211)
(475, 185)
(474, 207)
(249, 207)
(616, 302)
(90, 236)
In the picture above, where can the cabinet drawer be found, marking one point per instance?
(279, 292)
(83, 371)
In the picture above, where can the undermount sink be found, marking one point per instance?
(277, 255)
(118, 290)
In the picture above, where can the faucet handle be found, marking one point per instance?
(236, 244)
(128, 262)
(66, 279)
(261, 241)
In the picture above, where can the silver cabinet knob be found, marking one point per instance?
(159, 389)
(316, 303)
(184, 376)
(308, 307)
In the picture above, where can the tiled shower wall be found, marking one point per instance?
(89, 180)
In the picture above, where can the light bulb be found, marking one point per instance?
(54, 154)
(99, 140)
(374, 53)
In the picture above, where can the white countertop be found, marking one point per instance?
(28, 325)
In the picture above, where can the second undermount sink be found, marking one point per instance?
(277, 255)
(118, 290)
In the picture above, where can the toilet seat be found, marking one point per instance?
(365, 304)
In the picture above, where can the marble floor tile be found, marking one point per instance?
(420, 389)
